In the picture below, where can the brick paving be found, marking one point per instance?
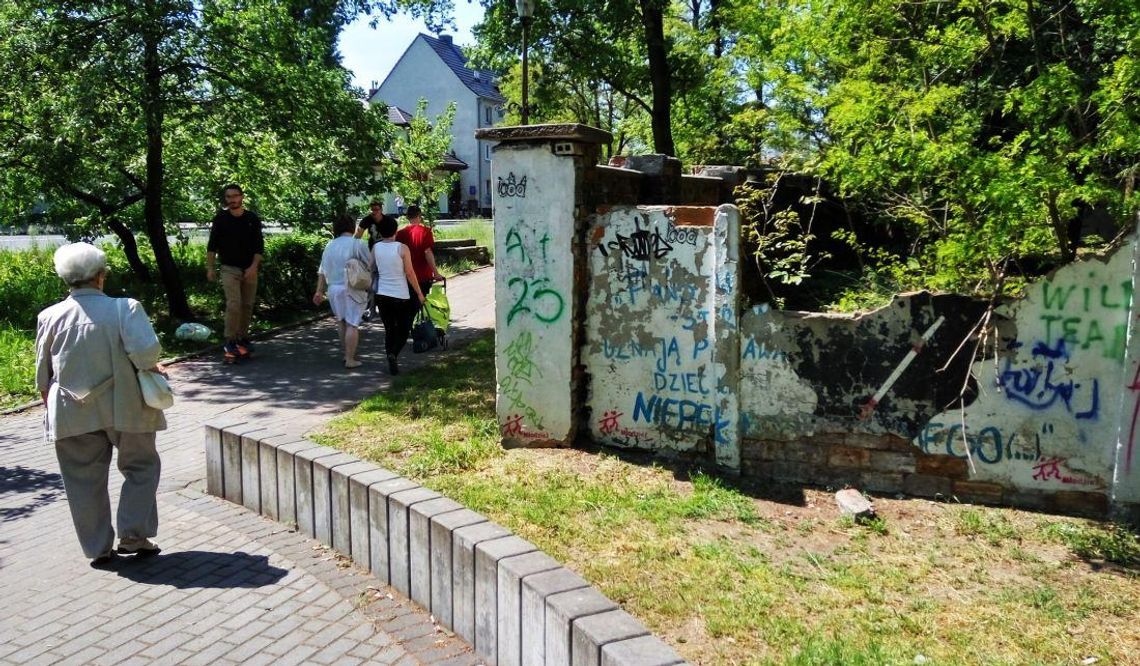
(230, 587)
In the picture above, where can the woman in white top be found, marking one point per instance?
(347, 304)
(395, 282)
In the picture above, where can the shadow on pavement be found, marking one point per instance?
(199, 568)
(299, 370)
(19, 480)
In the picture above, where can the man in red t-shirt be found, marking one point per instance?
(419, 239)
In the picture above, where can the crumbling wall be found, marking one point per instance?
(660, 329)
(624, 325)
(1049, 401)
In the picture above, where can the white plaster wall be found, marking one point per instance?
(534, 232)
(774, 400)
(650, 330)
(421, 73)
(1048, 410)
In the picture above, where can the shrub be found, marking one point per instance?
(291, 262)
(30, 285)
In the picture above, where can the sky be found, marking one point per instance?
(370, 54)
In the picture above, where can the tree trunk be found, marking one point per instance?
(155, 229)
(130, 248)
(653, 18)
(1060, 230)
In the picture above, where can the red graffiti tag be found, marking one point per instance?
(1134, 387)
(513, 426)
(609, 422)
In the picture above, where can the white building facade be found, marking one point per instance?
(433, 68)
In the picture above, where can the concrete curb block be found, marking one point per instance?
(513, 603)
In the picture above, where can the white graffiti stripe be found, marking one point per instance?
(894, 377)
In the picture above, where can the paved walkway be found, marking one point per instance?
(230, 586)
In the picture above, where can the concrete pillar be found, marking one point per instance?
(590, 634)
(1126, 468)
(215, 465)
(420, 545)
(540, 207)
(342, 532)
(442, 529)
(512, 572)
(726, 336)
(535, 590)
(359, 516)
(267, 470)
(463, 543)
(379, 532)
(251, 469)
(287, 479)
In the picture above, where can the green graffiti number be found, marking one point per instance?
(518, 307)
(554, 303)
(556, 311)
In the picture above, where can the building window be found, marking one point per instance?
(487, 192)
(487, 152)
(487, 114)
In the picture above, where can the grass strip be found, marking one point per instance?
(729, 578)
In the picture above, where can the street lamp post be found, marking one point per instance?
(526, 12)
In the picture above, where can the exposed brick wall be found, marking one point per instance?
(889, 464)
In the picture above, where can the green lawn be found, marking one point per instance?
(728, 577)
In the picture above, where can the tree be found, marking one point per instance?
(613, 47)
(132, 113)
(985, 131)
(414, 169)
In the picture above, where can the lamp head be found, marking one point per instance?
(525, 8)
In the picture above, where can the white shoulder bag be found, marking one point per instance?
(156, 391)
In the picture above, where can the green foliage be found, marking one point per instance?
(833, 650)
(710, 499)
(780, 236)
(992, 526)
(291, 261)
(1109, 542)
(17, 365)
(983, 131)
(414, 172)
(30, 285)
(129, 116)
(482, 231)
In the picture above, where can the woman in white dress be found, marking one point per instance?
(347, 304)
(395, 284)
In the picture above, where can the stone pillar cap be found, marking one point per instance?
(556, 132)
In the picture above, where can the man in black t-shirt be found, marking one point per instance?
(369, 223)
(236, 238)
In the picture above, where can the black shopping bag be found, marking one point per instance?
(424, 336)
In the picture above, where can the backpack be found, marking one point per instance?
(356, 274)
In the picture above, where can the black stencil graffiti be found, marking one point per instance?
(684, 235)
(641, 245)
(508, 187)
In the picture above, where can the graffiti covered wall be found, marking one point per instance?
(660, 329)
(1048, 405)
(626, 325)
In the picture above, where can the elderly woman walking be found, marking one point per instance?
(88, 349)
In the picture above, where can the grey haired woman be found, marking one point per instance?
(88, 348)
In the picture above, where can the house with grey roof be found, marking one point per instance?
(435, 69)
